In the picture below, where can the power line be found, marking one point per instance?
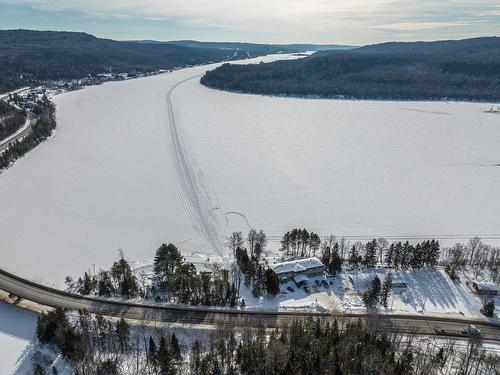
(277, 238)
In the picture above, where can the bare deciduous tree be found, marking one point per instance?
(235, 241)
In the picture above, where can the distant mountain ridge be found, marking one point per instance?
(28, 56)
(251, 48)
(466, 69)
(271, 48)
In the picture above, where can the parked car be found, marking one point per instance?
(317, 283)
(290, 289)
(325, 283)
(307, 290)
(473, 330)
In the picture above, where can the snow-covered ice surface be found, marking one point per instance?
(108, 179)
(347, 167)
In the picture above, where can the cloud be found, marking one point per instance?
(489, 13)
(418, 26)
(297, 20)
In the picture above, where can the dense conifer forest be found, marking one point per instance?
(28, 57)
(458, 70)
(41, 129)
(92, 344)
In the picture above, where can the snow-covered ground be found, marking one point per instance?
(17, 331)
(108, 179)
(428, 291)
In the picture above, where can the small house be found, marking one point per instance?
(307, 267)
(485, 288)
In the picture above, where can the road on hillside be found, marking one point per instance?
(423, 325)
(19, 134)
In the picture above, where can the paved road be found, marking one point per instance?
(19, 134)
(436, 326)
(18, 91)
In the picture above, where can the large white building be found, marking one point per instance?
(298, 269)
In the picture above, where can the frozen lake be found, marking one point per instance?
(114, 177)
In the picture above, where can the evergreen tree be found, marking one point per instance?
(325, 257)
(54, 328)
(285, 244)
(233, 296)
(38, 369)
(488, 308)
(122, 332)
(314, 243)
(164, 357)
(105, 285)
(398, 255)
(167, 257)
(257, 250)
(407, 252)
(152, 353)
(257, 282)
(272, 282)
(386, 290)
(176, 349)
(434, 253)
(123, 276)
(87, 285)
(389, 256)
(354, 257)
(370, 259)
(417, 257)
(372, 294)
(335, 265)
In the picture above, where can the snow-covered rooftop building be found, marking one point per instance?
(307, 267)
(485, 288)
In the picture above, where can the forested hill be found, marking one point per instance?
(234, 48)
(461, 70)
(476, 48)
(28, 56)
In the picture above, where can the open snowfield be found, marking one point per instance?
(118, 175)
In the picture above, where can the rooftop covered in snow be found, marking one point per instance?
(297, 265)
(485, 286)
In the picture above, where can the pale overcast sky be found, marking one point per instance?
(267, 21)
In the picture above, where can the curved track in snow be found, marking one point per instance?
(194, 194)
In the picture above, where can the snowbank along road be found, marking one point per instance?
(439, 326)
